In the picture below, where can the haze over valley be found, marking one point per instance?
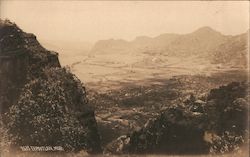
(130, 78)
(113, 62)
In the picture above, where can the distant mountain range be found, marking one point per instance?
(204, 42)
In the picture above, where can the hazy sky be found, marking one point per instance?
(94, 20)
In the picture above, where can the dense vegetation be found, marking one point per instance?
(47, 115)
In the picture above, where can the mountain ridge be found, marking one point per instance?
(203, 42)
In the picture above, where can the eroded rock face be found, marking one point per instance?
(21, 58)
(184, 128)
(41, 103)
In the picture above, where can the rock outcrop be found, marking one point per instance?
(21, 58)
(42, 104)
(217, 124)
(175, 131)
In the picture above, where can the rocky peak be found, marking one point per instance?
(10, 38)
(205, 31)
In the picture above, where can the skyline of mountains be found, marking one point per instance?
(204, 42)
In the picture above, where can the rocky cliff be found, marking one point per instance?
(21, 58)
(42, 104)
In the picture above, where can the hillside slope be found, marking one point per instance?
(42, 104)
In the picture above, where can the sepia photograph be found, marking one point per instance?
(81, 78)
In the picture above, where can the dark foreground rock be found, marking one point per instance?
(22, 58)
(41, 103)
(173, 132)
(215, 123)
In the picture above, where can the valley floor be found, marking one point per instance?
(116, 71)
(119, 112)
(127, 90)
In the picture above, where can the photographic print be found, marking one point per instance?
(124, 78)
